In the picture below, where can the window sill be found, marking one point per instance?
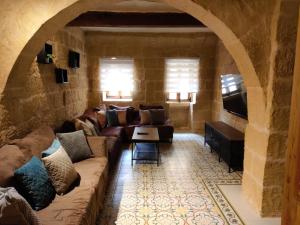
(117, 100)
(178, 103)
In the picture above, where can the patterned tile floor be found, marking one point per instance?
(183, 190)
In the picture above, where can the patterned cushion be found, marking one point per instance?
(14, 209)
(87, 127)
(75, 145)
(158, 116)
(101, 117)
(34, 184)
(122, 117)
(60, 170)
(112, 118)
(53, 148)
(145, 117)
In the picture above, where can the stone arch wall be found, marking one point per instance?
(248, 30)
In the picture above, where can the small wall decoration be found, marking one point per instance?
(74, 59)
(45, 55)
(61, 75)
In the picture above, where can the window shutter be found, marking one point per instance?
(182, 75)
(116, 75)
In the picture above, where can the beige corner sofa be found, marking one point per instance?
(82, 204)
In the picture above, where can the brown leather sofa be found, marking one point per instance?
(82, 204)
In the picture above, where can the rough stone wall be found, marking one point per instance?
(33, 98)
(224, 65)
(149, 52)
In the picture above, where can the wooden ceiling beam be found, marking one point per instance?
(113, 19)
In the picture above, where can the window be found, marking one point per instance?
(116, 79)
(182, 79)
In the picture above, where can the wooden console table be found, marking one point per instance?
(227, 141)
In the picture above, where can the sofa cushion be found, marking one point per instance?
(145, 117)
(112, 118)
(147, 107)
(11, 158)
(112, 131)
(87, 127)
(14, 209)
(35, 142)
(61, 170)
(122, 117)
(53, 148)
(81, 205)
(98, 146)
(158, 116)
(34, 184)
(91, 115)
(101, 117)
(75, 145)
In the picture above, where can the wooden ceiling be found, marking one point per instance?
(133, 19)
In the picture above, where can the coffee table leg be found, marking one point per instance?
(157, 147)
(132, 153)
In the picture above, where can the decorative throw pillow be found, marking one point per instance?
(145, 117)
(53, 148)
(34, 184)
(112, 118)
(61, 170)
(98, 145)
(122, 117)
(101, 117)
(75, 145)
(87, 127)
(158, 116)
(14, 209)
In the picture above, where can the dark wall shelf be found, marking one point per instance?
(43, 56)
(61, 76)
(74, 59)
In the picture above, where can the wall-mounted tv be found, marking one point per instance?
(234, 95)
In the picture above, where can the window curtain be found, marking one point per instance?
(182, 75)
(116, 75)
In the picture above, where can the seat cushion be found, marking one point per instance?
(11, 158)
(34, 184)
(112, 131)
(82, 205)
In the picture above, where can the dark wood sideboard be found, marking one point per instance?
(227, 141)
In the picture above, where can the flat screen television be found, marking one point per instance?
(234, 95)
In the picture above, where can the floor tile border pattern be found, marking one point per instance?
(211, 185)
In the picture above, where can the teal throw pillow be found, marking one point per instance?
(53, 148)
(112, 118)
(34, 184)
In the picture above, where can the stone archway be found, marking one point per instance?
(23, 36)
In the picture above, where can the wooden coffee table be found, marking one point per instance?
(145, 144)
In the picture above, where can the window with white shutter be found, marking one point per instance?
(116, 79)
(182, 82)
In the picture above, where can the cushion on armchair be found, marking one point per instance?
(145, 116)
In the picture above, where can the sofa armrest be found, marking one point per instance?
(98, 145)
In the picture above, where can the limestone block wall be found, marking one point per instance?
(149, 52)
(224, 65)
(33, 98)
